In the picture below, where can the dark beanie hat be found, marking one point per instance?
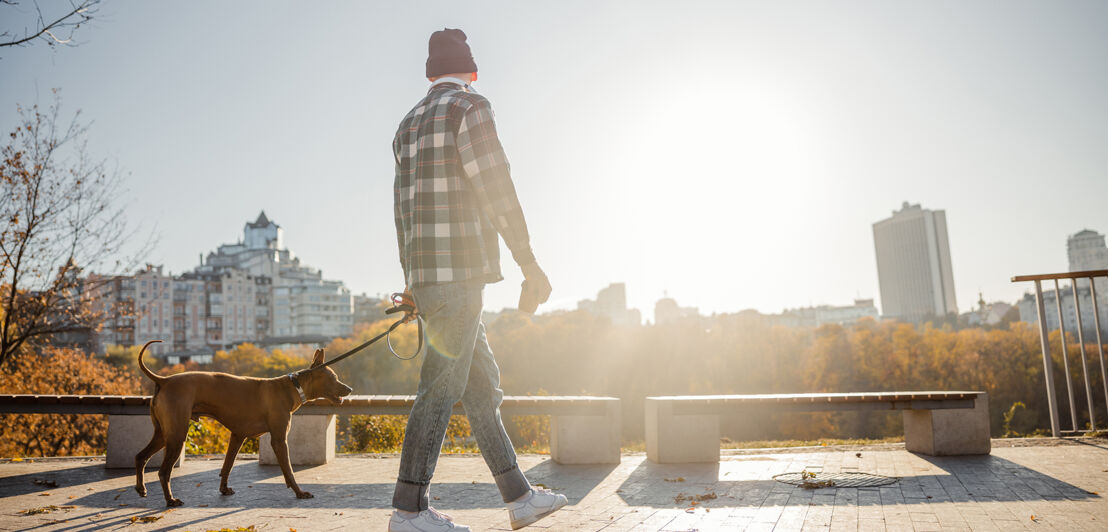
(448, 53)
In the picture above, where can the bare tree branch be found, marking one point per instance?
(80, 13)
(62, 218)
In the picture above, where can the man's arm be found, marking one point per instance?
(486, 167)
(399, 225)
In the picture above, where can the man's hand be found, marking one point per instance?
(406, 299)
(536, 288)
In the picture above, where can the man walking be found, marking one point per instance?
(453, 197)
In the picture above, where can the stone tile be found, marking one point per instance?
(999, 492)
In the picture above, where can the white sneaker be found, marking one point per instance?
(540, 503)
(429, 520)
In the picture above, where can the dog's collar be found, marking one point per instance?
(296, 384)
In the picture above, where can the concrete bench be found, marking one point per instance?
(583, 430)
(129, 426)
(684, 429)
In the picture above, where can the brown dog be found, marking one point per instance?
(247, 406)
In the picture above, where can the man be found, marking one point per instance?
(453, 197)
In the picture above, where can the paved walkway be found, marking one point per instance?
(1043, 486)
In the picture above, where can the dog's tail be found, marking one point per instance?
(153, 376)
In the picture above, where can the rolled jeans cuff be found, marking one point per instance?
(512, 484)
(411, 496)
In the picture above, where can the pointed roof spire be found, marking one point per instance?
(262, 220)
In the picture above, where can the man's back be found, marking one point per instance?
(453, 191)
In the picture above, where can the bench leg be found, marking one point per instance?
(127, 435)
(586, 439)
(950, 432)
(680, 439)
(311, 442)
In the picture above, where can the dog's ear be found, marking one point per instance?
(318, 360)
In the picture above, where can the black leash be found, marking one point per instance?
(408, 310)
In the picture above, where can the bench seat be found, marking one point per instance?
(583, 429)
(685, 428)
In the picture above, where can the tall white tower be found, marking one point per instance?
(1086, 251)
(913, 264)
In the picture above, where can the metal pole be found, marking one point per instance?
(1048, 365)
(1099, 342)
(1065, 352)
(1081, 342)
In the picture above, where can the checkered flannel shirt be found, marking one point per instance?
(453, 192)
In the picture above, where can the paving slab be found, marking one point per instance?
(1048, 485)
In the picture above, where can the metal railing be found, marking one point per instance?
(1044, 336)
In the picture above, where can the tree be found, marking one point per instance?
(62, 216)
(59, 28)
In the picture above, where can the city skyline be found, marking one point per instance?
(828, 121)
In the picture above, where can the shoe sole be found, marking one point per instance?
(516, 525)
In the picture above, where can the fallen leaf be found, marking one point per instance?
(1033, 518)
(17, 459)
(145, 518)
(859, 455)
(44, 494)
(678, 479)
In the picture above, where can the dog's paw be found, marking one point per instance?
(141, 490)
(174, 502)
(304, 495)
(227, 491)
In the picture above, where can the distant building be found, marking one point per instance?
(1029, 311)
(913, 264)
(252, 291)
(611, 302)
(367, 309)
(304, 304)
(667, 310)
(987, 313)
(826, 314)
(1086, 251)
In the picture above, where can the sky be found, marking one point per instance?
(732, 155)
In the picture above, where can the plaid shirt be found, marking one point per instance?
(453, 192)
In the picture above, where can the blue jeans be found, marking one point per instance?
(458, 366)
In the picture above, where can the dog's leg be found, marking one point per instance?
(232, 451)
(157, 441)
(281, 450)
(175, 443)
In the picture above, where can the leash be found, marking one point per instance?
(400, 303)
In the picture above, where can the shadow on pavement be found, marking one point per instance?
(966, 479)
(262, 486)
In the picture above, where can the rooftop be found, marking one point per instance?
(1045, 483)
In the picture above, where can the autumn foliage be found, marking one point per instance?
(59, 371)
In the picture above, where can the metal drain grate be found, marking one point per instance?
(835, 480)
